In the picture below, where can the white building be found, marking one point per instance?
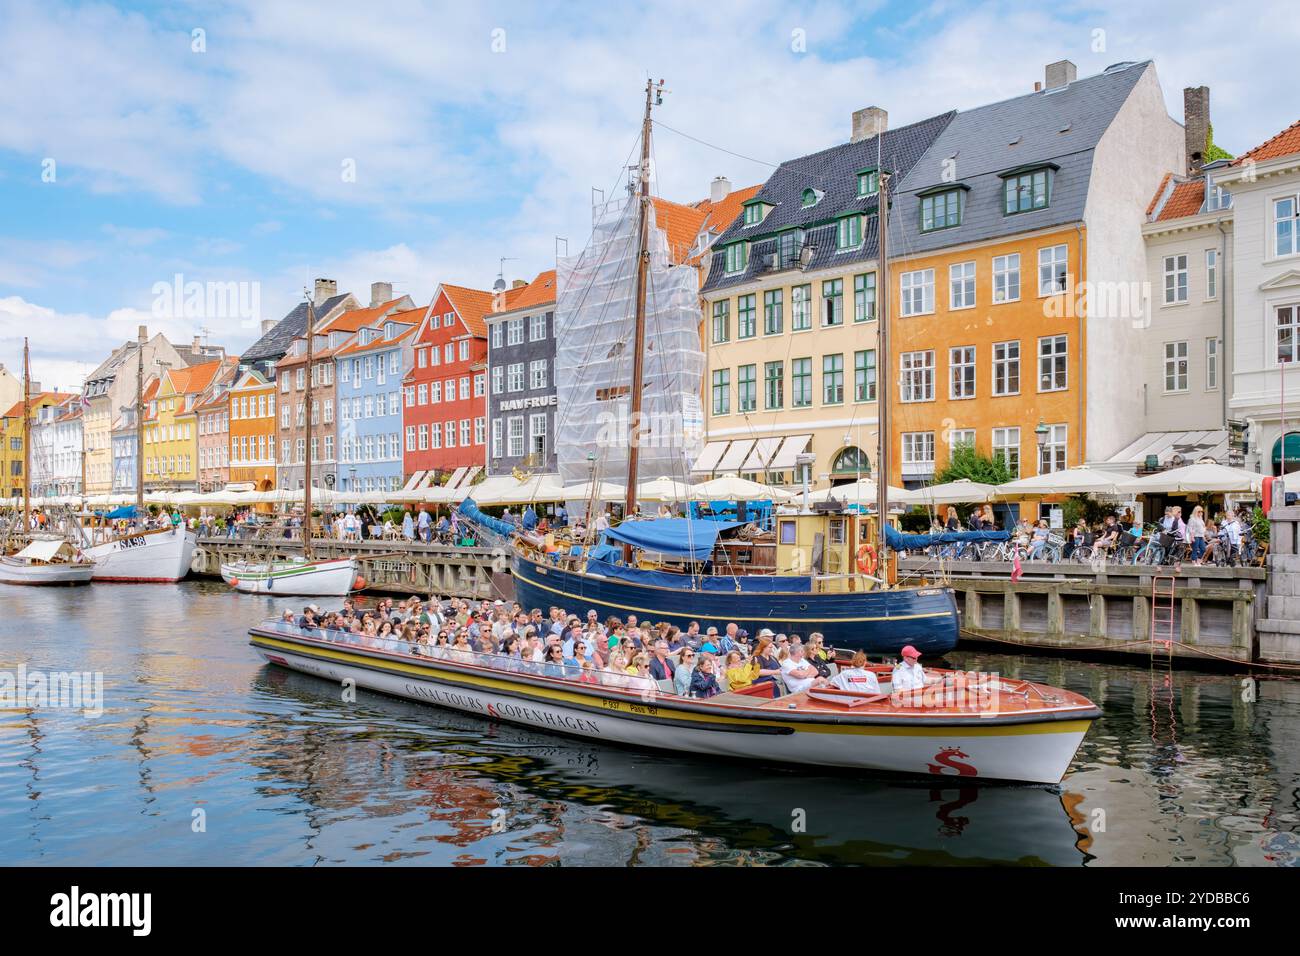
(57, 449)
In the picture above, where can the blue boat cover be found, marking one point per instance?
(677, 537)
(470, 510)
(916, 542)
(126, 511)
(749, 583)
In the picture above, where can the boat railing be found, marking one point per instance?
(648, 688)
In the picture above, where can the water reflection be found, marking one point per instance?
(282, 770)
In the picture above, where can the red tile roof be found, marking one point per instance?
(55, 398)
(540, 291)
(355, 319)
(353, 345)
(1283, 144)
(682, 224)
(722, 214)
(473, 305)
(1186, 200)
(1160, 191)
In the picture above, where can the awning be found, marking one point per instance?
(675, 537)
(791, 448)
(707, 462)
(42, 549)
(735, 455)
(1167, 447)
(1292, 448)
(763, 451)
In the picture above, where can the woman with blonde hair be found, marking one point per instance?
(740, 672)
(1196, 533)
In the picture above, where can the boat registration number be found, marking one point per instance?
(127, 543)
(647, 710)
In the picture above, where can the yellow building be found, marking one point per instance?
(13, 436)
(171, 429)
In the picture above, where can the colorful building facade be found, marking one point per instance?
(251, 412)
(369, 372)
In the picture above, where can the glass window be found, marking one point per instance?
(746, 316)
(1051, 456)
(961, 285)
(722, 320)
(773, 384)
(801, 387)
(917, 375)
(537, 328)
(1212, 363)
(1175, 366)
(801, 308)
(864, 297)
(1175, 279)
(961, 365)
(747, 388)
(864, 375)
(514, 331)
(516, 436)
(1286, 226)
(1006, 278)
(917, 289)
(832, 379)
(1006, 368)
(833, 302)
(1053, 270)
(1211, 273)
(1288, 323)
(849, 235)
(1006, 446)
(941, 210)
(1053, 353)
(772, 319)
(721, 391)
(1026, 191)
(737, 257)
(918, 453)
(868, 183)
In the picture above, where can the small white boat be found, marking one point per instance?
(46, 561)
(337, 577)
(159, 556)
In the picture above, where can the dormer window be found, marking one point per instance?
(868, 182)
(812, 197)
(390, 329)
(849, 235)
(941, 208)
(1027, 188)
(755, 212)
(737, 257)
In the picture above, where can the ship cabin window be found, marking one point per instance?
(837, 531)
(788, 532)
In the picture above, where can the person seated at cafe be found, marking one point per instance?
(857, 677)
(1108, 537)
(1040, 534)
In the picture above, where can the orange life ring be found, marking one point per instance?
(867, 559)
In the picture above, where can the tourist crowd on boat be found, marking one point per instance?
(614, 652)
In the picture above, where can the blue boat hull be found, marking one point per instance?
(877, 622)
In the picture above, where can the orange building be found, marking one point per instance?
(253, 431)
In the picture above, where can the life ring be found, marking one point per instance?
(867, 559)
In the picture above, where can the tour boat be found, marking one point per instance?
(978, 727)
(154, 556)
(331, 578)
(46, 561)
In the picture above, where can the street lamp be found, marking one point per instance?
(1040, 435)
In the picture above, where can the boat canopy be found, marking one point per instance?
(126, 511)
(43, 549)
(470, 510)
(675, 537)
(749, 583)
(916, 542)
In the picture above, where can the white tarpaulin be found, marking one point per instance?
(42, 549)
(595, 319)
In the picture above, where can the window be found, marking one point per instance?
(789, 247)
(961, 377)
(284, 380)
(515, 377)
(435, 356)
(1006, 278)
(801, 308)
(537, 436)
(918, 375)
(746, 316)
(722, 321)
(1288, 323)
(849, 235)
(918, 454)
(1052, 356)
(498, 338)
(753, 214)
(449, 352)
(1211, 363)
(410, 438)
(772, 319)
(1286, 226)
(424, 437)
(536, 329)
(382, 378)
(1051, 456)
(737, 257)
(498, 379)
(721, 391)
(496, 438)
(832, 379)
(864, 297)
(1175, 279)
(284, 416)
(960, 438)
(1211, 273)
(514, 332)
(833, 302)
(810, 197)
(747, 388)
(941, 210)
(464, 350)
(864, 376)
(409, 392)
(1006, 446)
(329, 447)
(464, 433)
(394, 406)
(480, 430)
(448, 434)
(917, 289)
(961, 285)
(329, 409)
(537, 373)
(773, 384)
(1025, 191)
(868, 182)
(1053, 270)
(480, 384)
(422, 393)
(516, 437)
(1175, 366)
(435, 436)
(464, 387)
(801, 387)
(370, 406)
(1006, 368)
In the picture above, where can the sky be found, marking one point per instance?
(150, 146)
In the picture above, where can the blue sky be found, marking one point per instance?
(474, 133)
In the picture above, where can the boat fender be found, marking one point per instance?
(867, 559)
(359, 584)
(234, 582)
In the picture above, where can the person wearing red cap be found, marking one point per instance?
(908, 673)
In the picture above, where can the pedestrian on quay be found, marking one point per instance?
(408, 526)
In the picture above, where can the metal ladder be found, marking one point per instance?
(1164, 714)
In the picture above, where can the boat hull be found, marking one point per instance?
(877, 622)
(989, 748)
(161, 557)
(336, 578)
(19, 572)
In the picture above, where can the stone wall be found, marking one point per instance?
(1279, 627)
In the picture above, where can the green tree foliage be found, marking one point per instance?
(1212, 151)
(1259, 525)
(968, 463)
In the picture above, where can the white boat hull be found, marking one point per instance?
(148, 557)
(316, 579)
(20, 572)
(1028, 752)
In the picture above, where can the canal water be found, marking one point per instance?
(206, 755)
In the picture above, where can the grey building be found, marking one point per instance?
(521, 378)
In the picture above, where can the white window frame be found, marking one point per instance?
(1006, 278)
(916, 376)
(961, 286)
(1213, 351)
(1005, 442)
(915, 289)
(1053, 261)
(1177, 366)
(961, 362)
(1047, 362)
(1175, 279)
(1211, 274)
(1004, 362)
(1057, 447)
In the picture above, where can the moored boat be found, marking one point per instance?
(142, 557)
(331, 578)
(969, 726)
(46, 561)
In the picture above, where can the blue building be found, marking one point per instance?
(123, 446)
(369, 392)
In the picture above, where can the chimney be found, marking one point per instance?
(196, 346)
(1058, 74)
(142, 334)
(518, 284)
(325, 288)
(719, 189)
(267, 325)
(380, 292)
(1196, 126)
(868, 123)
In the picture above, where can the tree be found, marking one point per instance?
(968, 463)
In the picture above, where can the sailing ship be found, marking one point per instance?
(683, 570)
(138, 555)
(45, 559)
(333, 577)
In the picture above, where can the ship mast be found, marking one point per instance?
(884, 363)
(27, 438)
(653, 94)
(139, 432)
(306, 485)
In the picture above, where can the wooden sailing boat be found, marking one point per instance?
(141, 555)
(848, 590)
(334, 577)
(46, 559)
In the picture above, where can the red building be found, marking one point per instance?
(444, 405)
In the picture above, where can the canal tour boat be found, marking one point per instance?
(46, 561)
(976, 727)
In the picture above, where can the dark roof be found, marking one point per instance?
(1060, 126)
(833, 172)
(275, 344)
